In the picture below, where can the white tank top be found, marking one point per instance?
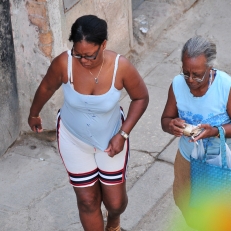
(94, 119)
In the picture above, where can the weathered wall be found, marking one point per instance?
(117, 13)
(41, 30)
(9, 113)
(32, 53)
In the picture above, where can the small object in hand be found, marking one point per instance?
(191, 130)
(194, 141)
(36, 127)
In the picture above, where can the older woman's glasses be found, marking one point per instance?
(195, 77)
(91, 57)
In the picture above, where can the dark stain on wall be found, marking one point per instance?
(9, 104)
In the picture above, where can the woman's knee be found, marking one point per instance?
(88, 204)
(88, 199)
(116, 207)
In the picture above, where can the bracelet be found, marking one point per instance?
(124, 134)
(34, 117)
(218, 135)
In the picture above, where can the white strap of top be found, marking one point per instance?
(69, 69)
(115, 69)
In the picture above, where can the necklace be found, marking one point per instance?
(96, 78)
(209, 83)
(210, 78)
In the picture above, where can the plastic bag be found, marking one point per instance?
(216, 159)
(198, 151)
(228, 155)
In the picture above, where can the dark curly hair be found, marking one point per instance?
(89, 28)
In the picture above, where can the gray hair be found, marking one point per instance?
(197, 46)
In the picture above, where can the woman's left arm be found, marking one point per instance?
(138, 93)
(137, 90)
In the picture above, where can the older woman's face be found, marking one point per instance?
(196, 69)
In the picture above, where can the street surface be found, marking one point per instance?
(34, 191)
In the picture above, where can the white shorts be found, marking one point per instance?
(86, 164)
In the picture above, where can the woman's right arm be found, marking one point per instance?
(170, 120)
(50, 83)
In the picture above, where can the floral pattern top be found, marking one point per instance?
(207, 109)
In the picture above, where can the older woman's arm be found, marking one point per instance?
(170, 120)
(227, 127)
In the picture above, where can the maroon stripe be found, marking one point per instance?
(85, 174)
(82, 184)
(127, 151)
(111, 173)
(126, 160)
(57, 133)
(112, 181)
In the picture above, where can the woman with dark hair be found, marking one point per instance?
(92, 133)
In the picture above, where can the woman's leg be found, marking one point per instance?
(181, 192)
(115, 200)
(89, 204)
(112, 172)
(79, 160)
(181, 184)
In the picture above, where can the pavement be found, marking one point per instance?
(34, 190)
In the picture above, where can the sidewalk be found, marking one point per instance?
(35, 193)
(151, 205)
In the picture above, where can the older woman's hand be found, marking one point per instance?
(176, 127)
(208, 131)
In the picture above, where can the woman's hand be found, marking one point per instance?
(50, 83)
(176, 127)
(35, 123)
(208, 131)
(116, 145)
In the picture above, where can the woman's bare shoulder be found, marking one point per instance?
(58, 67)
(123, 61)
(60, 59)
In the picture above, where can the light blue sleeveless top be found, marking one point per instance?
(94, 119)
(207, 109)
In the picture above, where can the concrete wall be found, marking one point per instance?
(136, 3)
(9, 113)
(33, 56)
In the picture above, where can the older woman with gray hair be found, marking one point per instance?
(199, 96)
